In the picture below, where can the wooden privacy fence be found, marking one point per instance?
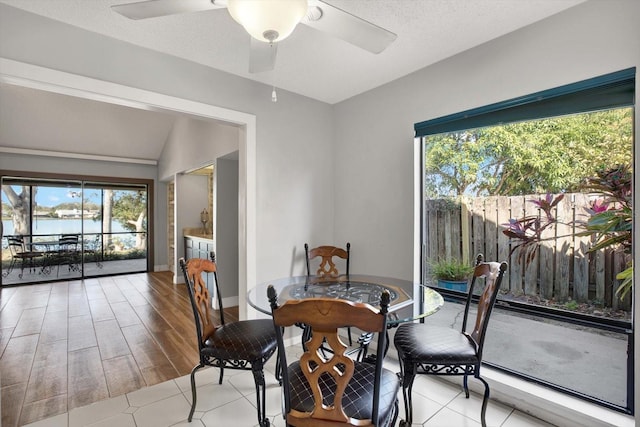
(562, 268)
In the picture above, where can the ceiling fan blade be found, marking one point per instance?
(348, 27)
(262, 56)
(155, 8)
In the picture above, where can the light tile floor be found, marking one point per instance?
(232, 403)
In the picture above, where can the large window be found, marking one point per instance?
(534, 181)
(72, 228)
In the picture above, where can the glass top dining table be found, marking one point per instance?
(356, 288)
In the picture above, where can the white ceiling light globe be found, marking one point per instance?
(268, 20)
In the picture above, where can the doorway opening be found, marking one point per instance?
(27, 75)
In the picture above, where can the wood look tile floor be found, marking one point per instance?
(67, 344)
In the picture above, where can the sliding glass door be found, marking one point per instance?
(116, 237)
(70, 229)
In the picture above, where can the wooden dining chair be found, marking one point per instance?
(326, 255)
(436, 350)
(332, 389)
(327, 267)
(245, 344)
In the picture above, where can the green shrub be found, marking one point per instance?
(451, 269)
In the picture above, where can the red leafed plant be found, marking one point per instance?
(528, 230)
(610, 220)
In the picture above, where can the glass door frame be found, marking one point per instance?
(92, 180)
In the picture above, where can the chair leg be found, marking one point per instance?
(221, 366)
(396, 410)
(363, 345)
(8, 271)
(21, 269)
(465, 384)
(485, 400)
(278, 373)
(261, 404)
(408, 373)
(306, 336)
(193, 390)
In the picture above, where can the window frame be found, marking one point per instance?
(91, 181)
(608, 91)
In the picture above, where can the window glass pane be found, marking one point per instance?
(586, 360)
(539, 156)
(121, 241)
(74, 229)
(496, 175)
(57, 209)
(552, 197)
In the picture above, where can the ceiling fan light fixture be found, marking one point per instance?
(268, 20)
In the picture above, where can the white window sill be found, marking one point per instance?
(549, 405)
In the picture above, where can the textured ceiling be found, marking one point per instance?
(310, 62)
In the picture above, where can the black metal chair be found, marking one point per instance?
(68, 252)
(20, 254)
(435, 350)
(93, 250)
(332, 389)
(245, 344)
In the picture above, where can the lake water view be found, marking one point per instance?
(55, 226)
(49, 227)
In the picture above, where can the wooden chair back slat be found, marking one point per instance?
(325, 316)
(327, 267)
(493, 273)
(201, 296)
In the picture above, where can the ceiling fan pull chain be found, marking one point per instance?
(274, 95)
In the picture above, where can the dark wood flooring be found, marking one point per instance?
(71, 343)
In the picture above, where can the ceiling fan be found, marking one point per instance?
(270, 21)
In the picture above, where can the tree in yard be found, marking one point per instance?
(130, 208)
(107, 214)
(21, 207)
(548, 155)
(453, 163)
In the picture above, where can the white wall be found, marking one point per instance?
(19, 162)
(193, 143)
(374, 131)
